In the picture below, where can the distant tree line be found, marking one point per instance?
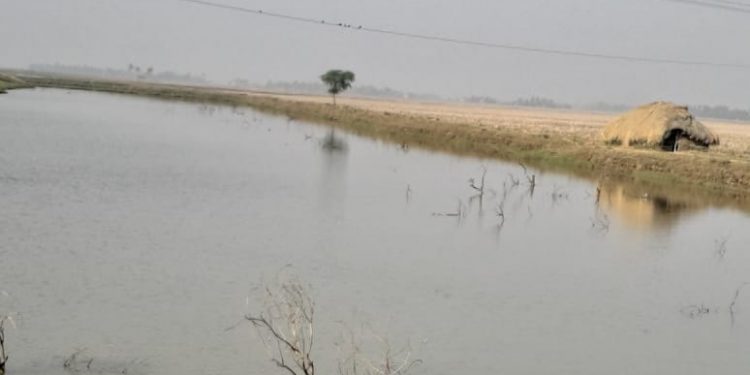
(533, 101)
(132, 72)
(720, 112)
(481, 100)
(319, 87)
(536, 101)
(717, 112)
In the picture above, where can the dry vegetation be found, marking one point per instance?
(3, 354)
(9, 82)
(553, 140)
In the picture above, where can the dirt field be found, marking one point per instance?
(735, 136)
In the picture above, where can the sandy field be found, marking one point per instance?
(735, 136)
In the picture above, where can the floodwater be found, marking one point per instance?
(134, 231)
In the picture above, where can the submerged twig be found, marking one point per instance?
(479, 188)
(600, 222)
(721, 247)
(733, 304)
(695, 311)
(285, 326)
(3, 354)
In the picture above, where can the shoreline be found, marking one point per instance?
(717, 177)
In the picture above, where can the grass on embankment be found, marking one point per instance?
(9, 82)
(711, 176)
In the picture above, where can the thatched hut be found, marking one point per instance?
(659, 124)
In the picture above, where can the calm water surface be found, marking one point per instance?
(133, 230)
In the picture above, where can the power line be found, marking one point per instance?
(731, 6)
(547, 51)
(729, 2)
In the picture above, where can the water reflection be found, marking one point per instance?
(333, 176)
(333, 144)
(642, 209)
(139, 236)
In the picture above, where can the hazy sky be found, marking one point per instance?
(174, 35)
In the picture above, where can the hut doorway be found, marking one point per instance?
(671, 140)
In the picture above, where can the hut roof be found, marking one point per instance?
(654, 123)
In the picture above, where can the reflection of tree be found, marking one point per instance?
(334, 159)
(331, 143)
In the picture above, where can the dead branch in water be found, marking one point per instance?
(3, 354)
(480, 188)
(734, 300)
(695, 311)
(285, 325)
(531, 179)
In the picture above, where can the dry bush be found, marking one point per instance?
(286, 328)
(285, 325)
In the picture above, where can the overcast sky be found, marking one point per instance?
(174, 35)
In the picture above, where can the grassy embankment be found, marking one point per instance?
(9, 82)
(711, 177)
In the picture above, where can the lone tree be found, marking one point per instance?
(337, 81)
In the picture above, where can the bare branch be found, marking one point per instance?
(721, 247)
(287, 321)
(3, 354)
(734, 300)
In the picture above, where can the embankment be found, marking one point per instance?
(718, 176)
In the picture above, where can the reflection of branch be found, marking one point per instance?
(514, 181)
(71, 363)
(558, 194)
(460, 212)
(598, 195)
(721, 247)
(600, 222)
(355, 362)
(501, 214)
(734, 300)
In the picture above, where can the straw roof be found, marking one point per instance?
(654, 124)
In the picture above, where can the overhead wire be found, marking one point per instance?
(731, 6)
(467, 42)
